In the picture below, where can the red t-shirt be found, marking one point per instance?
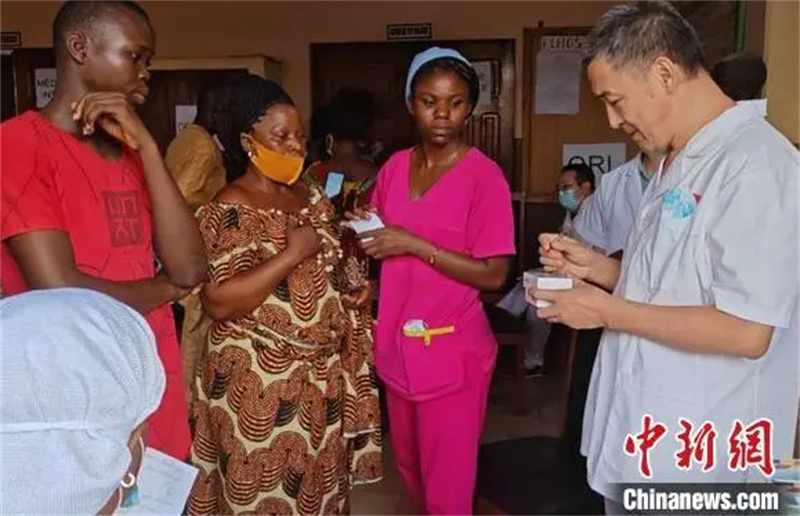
(49, 180)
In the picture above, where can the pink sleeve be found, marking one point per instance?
(490, 228)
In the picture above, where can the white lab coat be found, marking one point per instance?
(606, 218)
(718, 228)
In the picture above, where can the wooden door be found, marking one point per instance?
(9, 103)
(546, 134)
(381, 68)
(30, 65)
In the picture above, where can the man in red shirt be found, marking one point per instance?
(86, 199)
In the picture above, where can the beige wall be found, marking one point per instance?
(284, 30)
(782, 55)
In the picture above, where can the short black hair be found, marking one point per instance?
(348, 115)
(634, 34)
(457, 67)
(84, 15)
(583, 173)
(245, 99)
(741, 76)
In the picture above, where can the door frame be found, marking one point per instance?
(259, 64)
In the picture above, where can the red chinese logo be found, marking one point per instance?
(124, 218)
(643, 442)
(754, 448)
(699, 446)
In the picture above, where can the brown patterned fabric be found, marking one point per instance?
(287, 416)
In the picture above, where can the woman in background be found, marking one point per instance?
(287, 416)
(450, 230)
(80, 374)
(341, 131)
(197, 165)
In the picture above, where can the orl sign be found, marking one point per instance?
(601, 157)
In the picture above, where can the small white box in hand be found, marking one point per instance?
(371, 224)
(543, 281)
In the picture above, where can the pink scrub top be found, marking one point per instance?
(467, 211)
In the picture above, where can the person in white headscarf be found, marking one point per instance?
(78, 378)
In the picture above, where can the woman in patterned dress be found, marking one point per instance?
(287, 416)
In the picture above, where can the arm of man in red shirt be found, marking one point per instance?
(43, 251)
(177, 238)
(46, 260)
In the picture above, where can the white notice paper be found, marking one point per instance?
(164, 485)
(484, 71)
(45, 84)
(184, 114)
(558, 75)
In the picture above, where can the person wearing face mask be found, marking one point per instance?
(340, 133)
(79, 377)
(606, 217)
(575, 185)
(343, 169)
(287, 418)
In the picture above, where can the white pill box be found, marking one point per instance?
(543, 281)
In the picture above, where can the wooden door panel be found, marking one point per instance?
(26, 61)
(546, 134)
(9, 102)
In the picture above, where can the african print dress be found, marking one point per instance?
(287, 415)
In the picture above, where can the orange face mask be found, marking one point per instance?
(281, 168)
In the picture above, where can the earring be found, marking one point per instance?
(128, 481)
(130, 494)
(249, 153)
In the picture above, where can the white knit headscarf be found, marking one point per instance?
(78, 373)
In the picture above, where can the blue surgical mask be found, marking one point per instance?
(567, 200)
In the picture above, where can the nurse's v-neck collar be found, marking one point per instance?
(427, 193)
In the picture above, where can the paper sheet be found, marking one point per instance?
(164, 485)
(558, 82)
(184, 114)
(333, 185)
(45, 83)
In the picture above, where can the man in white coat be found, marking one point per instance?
(702, 325)
(606, 218)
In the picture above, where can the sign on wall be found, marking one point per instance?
(44, 84)
(601, 157)
(558, 75)
(10, 39)
(409, 31)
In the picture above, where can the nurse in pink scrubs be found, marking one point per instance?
(449, 234)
